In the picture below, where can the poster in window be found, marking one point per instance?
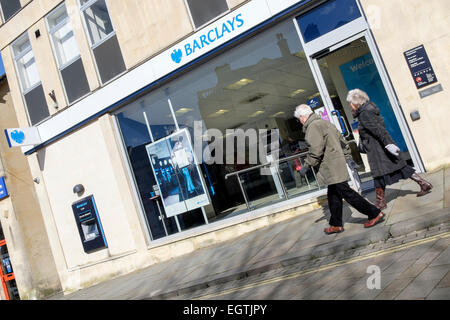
(177, 173)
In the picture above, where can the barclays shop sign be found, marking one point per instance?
(209, 37)
(20, 137)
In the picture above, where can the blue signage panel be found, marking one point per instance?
(3, 190)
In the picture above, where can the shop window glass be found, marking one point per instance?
(30, 80)
(67, 54)
(254, 87)
(203, 11)
(103, 39)
(146, 120)
(9, 8)
(327, 17)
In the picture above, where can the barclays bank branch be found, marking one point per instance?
(183, 135)
(313, 52)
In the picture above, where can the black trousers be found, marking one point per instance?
(339, 191)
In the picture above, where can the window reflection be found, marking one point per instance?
(255, 86)
(327, 17)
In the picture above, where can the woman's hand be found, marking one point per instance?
(392, 148)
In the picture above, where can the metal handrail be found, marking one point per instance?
(272, 163)
(295, 156)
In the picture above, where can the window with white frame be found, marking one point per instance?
(204, 11)
(102, 38)
(67, 54)
(29, 79)
(9, 8)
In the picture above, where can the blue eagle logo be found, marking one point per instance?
(177, 55)
(18, 136)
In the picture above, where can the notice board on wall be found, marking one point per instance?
(420, 66)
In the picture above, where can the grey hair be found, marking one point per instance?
(302, 110)
(357, 97)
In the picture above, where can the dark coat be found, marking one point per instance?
(327, 149)
(374, 138)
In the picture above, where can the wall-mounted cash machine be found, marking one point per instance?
(89, 225)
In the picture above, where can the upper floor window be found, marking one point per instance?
(26, 64)
(102, 38)
(9, 8)
(29, 80)
(67, 54)
(204, 11)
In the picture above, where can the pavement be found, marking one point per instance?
(418, 228)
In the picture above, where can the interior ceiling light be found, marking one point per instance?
(255, 114)
(239, 84)
(277, 114)
(300, 55)
(183, 110)
(296, 92)
(218, 113)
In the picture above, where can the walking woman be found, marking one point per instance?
(383, 155)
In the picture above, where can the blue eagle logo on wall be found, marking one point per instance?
(177, 55)
(18, 136)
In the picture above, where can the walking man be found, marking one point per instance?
(326, 151)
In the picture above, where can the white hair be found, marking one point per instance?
(357, 97)
(302, 110)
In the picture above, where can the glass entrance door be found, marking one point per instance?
(351, 65)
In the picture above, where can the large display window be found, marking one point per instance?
(253, 87)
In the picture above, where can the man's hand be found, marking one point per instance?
(352, 164)
(392, 148)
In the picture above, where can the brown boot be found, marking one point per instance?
(425, 186)
(380, 202)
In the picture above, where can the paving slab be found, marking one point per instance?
(445, 282)
(391, 291)
(417, 289)
(414, 223)
(439, 294)
(442, 259)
